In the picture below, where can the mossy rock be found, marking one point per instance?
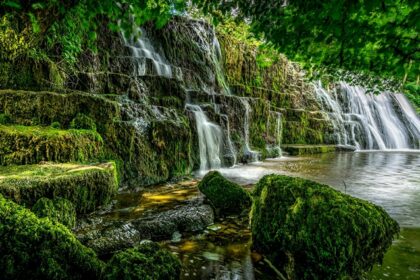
(86, 186)
(225, 196)
(33, 144)
(311, 231)
(81, 121)
(33, 248)
(5, 119)
(145, 262)
(58, 209)
(299, 150)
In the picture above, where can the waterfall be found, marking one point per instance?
(368, 121)
(279, 129)
(252, 155)
(210, 139)
(142, 49)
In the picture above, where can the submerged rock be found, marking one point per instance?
(107, 237)
(33, 248)
(146, 262)
(312, 231)
(225, 196)
(58, 209)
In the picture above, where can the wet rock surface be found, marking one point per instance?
(160, 215)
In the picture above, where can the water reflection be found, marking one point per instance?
(391, 180)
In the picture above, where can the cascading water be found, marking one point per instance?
(368, 121)
(247, 149)
(142, 49)
(210, 139)
(279, 128)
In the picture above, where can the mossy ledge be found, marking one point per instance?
(225, 196)
(311, 231)
(33, 144)
(86, 186)
(299, 150)
(33, 248)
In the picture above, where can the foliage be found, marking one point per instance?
(57, 209)
(224, 195)
(146, 262)
(55, 125)
(86, 186)
(81, 121)
(33, 248)
(379, 36)
(412, 91)
(312, 231)
(66, 28)
(5, 119)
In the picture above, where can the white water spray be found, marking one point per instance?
(368, 121)
(210, 139)
(142, 48)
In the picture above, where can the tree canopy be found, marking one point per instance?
(379, 36)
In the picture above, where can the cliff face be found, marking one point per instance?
(144, 94)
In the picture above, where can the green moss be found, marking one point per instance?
(56, 125)
(311, 231)
(86, 186)
(33, 144)
(81, 121)
(299, 150)
(58, 209)
(33, 248)
(145, 262)
(224, 195)
(5, 119)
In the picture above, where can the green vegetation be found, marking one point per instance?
(57, 209)
(144, 262)
(33, 248)
(33, 144)
(225, 196)
(375, 36)
(86, 186)
(311, 231)
(299, 150)
(81, 121)
(44, 29)
(5, 119)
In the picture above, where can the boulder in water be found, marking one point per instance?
(311, 231)
(146, 262)
(224, 195)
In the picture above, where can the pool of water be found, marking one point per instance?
(223, 250)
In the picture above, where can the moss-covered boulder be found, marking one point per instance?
(33, 248)
(86, 186)
(33, 144)
(145, 262)
(224, 195)
(58, 209)
(311, 231)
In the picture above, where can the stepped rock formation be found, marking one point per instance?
(172, 100)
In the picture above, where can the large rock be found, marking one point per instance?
(145, 262)
(107, 237)
(86, 186)
(33, 248)
(33, 144)
(311, 231)
(58, 209)
(225, 196)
